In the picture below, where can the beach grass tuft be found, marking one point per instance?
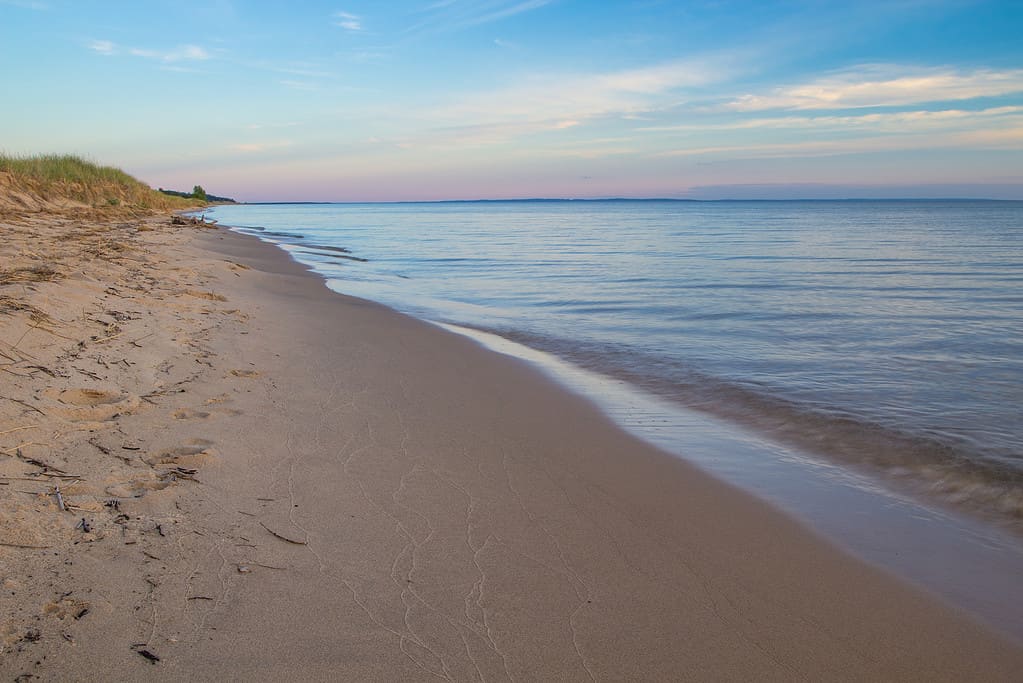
(41, 273)
(63, 167)
(53, 179)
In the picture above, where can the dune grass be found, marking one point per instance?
(66, 176)
(63, 167)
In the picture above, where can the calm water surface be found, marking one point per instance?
(884, 336)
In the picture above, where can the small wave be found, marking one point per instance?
(924, 465)
(286, 235)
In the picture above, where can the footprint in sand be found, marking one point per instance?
(209, 296)
(139, 486)
(95, 405)
(188, 414)
(89, 397)
(195, 454)
(169, 467)
(192, 414)
(245, 373)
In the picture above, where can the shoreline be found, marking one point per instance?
(939, 549)
(908, 434)
(930, 538)
(380, 499)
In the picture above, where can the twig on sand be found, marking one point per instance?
(135, 342)
(102, 449)
(283, 538)
(38, 463)
(20, 402)
(268, 566)
(18, 429)
(16, 451)
(22, 545)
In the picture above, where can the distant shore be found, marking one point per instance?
(262, 478)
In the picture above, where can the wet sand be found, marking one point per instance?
(282, 482)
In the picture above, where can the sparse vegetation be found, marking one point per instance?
(41, 273)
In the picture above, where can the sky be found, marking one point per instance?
(361, 100)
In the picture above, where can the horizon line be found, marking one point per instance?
(633, 199)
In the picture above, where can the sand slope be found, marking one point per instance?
(316, 488)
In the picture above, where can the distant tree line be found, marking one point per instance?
(198, 193)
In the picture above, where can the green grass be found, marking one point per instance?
(66, 175)
(63, 167)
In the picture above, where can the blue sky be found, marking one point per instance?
(441, 99)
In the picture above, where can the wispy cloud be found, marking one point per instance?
(104, 47)
(299, 85)
(347, 21)
(454, 15)
(579, 97)
(1005, 137)
(264, 126)
(255, 147)
(177, 54)
(903, 121)
(182, 53)
(884, 85)
(306, 70)
(498, 13)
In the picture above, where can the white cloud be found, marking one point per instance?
(453, 15)
(254, 147)
(187, 52)
(347, 21)
(182, 53)
(1001, 138)
(884, 85)
(904, 121)
(579, 97)
(510, 11)
(104, 47)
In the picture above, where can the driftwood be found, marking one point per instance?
(202, 222)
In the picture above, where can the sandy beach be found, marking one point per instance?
(261, 479)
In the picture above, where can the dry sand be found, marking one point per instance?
(278, 482)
